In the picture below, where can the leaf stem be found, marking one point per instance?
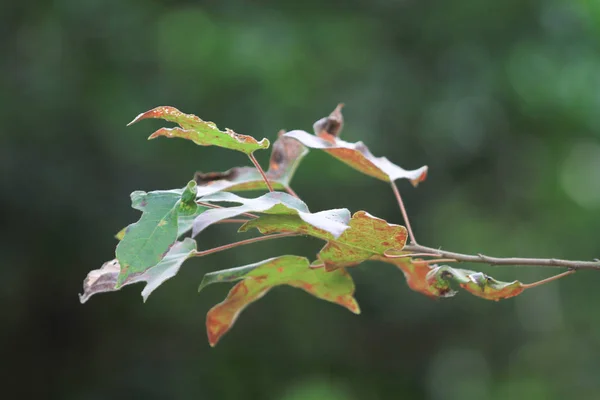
(483, 259)
(550, 279)
(262, 172)
(291, 191)
(232, 221)
(403, 211)
(216, 206)
(241, 243)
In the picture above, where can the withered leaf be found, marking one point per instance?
(356, 155)
(105, 279)
(285, 158)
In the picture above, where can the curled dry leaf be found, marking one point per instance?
(368, 236)
(415, 272)
(285, 158)
(356, 155)
(105, 279)
(277, 203)
(166, 214)
(476, 283)
(201, 132)
(257, 279)
(330, 125)
(436, 281)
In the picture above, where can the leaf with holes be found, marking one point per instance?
(166, 215)
(332, 221)
(368, 236)
(285, 158)
(257, 279)
(105, 279)
(356, 155)
(203, 133)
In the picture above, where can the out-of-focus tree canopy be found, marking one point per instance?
(500, 99)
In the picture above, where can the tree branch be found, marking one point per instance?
(480, 258)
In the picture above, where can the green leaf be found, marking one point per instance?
(285, 158)
(332, 221)
(367, 236)
(105, 279)
(201, 132)
(356, 155)
(166, 215)
(258, 279)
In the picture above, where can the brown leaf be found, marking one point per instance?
(330, 125)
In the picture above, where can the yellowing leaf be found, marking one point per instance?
(285, 158)
(201, 132)
(257, 279)
(368, 236)
(356, 155)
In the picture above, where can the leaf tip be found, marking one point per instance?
(421, 175)
(349, 302)
(136, 119)
(215, 329)
(83, 298)
(264, 143)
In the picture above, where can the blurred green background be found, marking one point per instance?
(499, 98)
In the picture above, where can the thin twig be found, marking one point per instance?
(404, 214)
(550, 279)
(291, 191)
(480, 258)
(262, 172)
(241, 243)
(440, 260)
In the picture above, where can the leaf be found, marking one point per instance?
(368, 236)
(332, 124)
(105, 279)
(356, 155)
(201, 132)
(332, 221)
(415, 272)
(166, 215)
(285, 158)
(257, 279)
(477, 283)
(435, 281)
